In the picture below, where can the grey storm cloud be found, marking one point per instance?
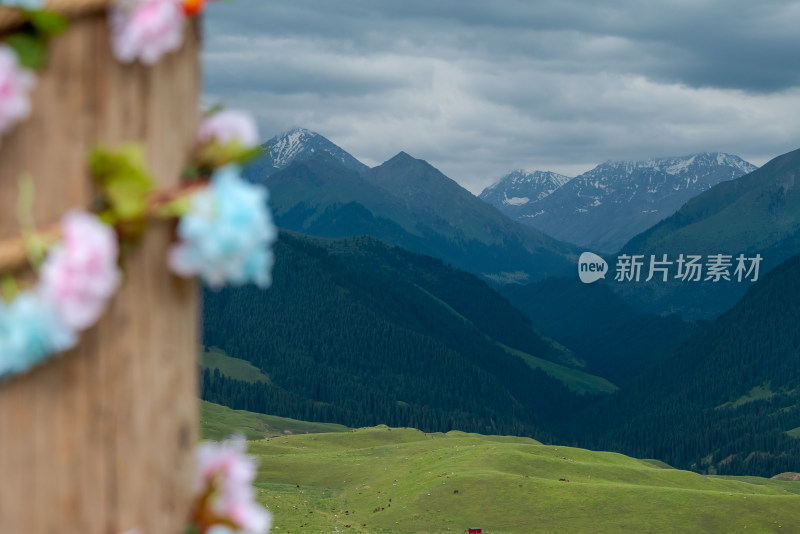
(480, 88)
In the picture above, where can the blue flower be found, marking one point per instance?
(26, 4)
(30, 331)
(227, 234)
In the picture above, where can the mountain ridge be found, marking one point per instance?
(408, 202)
(605, 207)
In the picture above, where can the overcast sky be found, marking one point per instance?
(481, 88)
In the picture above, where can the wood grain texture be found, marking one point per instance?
(100, 439)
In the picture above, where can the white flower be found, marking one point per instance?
(227, 126)
(15, 84)
(230, 472)
(80, 273)
(146, 29)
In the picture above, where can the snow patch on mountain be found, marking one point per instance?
(521, 188)
(515, 201)
(288, 145)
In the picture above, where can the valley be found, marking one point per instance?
(402, 299)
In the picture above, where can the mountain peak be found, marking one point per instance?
(402, 156)
(285, 147)
(296, 144)
(521, 187)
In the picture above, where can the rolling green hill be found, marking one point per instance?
(219, 422)
(394, 480)
(360, 333)
(758, 213)
(726, 401)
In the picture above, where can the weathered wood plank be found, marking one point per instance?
(101, 439)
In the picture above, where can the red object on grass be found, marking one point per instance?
(475, 531)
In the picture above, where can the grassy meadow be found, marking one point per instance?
(394, 480)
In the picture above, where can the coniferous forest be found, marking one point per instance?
(345, 341)
(726, 402)
(360, 333)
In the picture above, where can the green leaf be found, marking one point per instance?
(215, 155)
(176, 208)
(31, 49)
(128, 196)
(8, 287)
(47, 23)
(124, 180)
(251, 154)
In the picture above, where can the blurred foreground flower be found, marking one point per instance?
(226, 136)
(24, 4)
(226, 502)
(146, 29)
(15, 84)
(227, 234)
(80, 273)
(30, 330)
(229, 125)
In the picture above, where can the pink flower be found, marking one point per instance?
(230, 472)
(229, 125)
(15, 84)
(146, 29)
(80, 273)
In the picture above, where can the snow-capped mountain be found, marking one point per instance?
(605, 207)
(296, 144)
(520, 188)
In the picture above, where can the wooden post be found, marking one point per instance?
(101, 439)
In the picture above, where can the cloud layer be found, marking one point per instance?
(479, 88)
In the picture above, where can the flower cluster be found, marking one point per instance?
(30, 330)
(16, 83)
(143, 30)
(226, 498)
(226, 235)
(228, 126)
(79, 276)
(80, 273)
(146, 29)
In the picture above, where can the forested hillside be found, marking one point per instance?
(727, 401)
(758, 213)
(359, 333)
(616, 341)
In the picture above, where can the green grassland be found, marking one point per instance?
(218, 422)
(235, 368)
(402, 480)
(760, 392)
(575, 379)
